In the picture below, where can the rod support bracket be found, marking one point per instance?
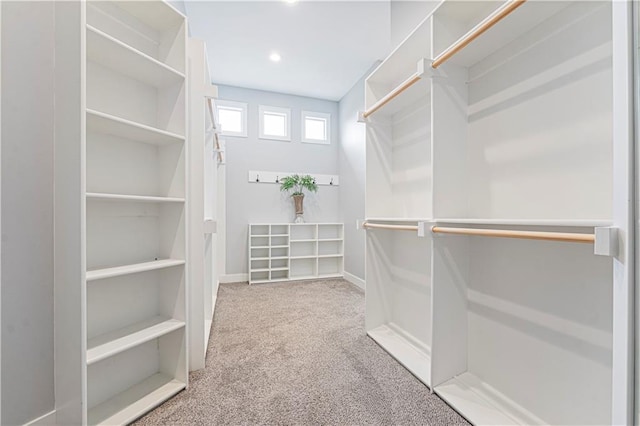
(423, 229)
(361, 118)
(606, 241)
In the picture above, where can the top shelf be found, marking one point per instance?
(100, 122)
(112, 53)
(158, 15)
(579, 223)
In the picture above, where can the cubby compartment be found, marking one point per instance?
(522, 330)
(259, 264)
(303, 268)
(534, 141)
(279, 241)
(148, 168)
(280, 230)
(259, 241)
(124, 387)
(330, 231)
(260, 252)
(280, 252)
(259, 276)
(304, 249)
(259, 230)
(398, 309)
(330, 266)
(302, 232)
(154, 30)
(279, 263)
(279, 275)
(330, 248)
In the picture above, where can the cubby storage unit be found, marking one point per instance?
(498, 248)
(283, 252)
(124, 212)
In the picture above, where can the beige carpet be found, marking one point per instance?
(297, 354)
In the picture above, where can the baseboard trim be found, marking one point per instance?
(45, 420)
(234, 278)
(358, 282)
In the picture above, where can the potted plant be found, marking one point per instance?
(295, 184)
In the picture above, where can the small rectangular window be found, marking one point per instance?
(275, 123)
(232, 117)
(316, 127)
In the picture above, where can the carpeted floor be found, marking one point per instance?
(297, 354)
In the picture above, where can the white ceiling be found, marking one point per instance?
(326, 46)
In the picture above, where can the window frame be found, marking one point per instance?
(262, 109)
(243, 106)
(318, 115)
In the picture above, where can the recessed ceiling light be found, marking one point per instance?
(291, 1)
(275, 57)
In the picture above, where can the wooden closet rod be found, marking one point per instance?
(528, 235)
(392, 227)
(478, 30)
(392, 94)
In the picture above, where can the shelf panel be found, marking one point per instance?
(109, 344)
(303, 257)
(117, 271)
(277, 235)
(330, 275)
(259, 281)
(412, 358)
(279, 246)
(261, 247)
(123, 59)
(313, 240)
(135, 401)
(400, 219)
(136, 198)
(303, 277)
(279, 269)
(260, 270)
(328, 256)
(481, 404)
(159, 15)
(331, 239)
(527, 222)
(111, 125)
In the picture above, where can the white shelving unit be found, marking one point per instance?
(206, 170)
(514, 132)
(289, 252)
(125, 212)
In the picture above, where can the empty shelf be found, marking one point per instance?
(99, 122)
(116, 271)
(528, 222)
(327, 256)
(481, 404)
(135, 401)
(109, 344)
(138, 198)
(112, 53)
(303, 241)
(312, 256)
(412, 358)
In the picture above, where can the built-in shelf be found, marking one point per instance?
(407, 354)
(127, 406)
(98, 274)
(303, 261)
(136, 198)
(399, 219)
(123, 59)
(109, 344)
(100, 122)
(527, 222)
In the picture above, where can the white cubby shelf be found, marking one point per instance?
(291, 251)
(511, 137)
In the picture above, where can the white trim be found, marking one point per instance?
(44, 420)
(221, 104)
(233, 278)
(357, 281)
(318, 115)
(262, 109)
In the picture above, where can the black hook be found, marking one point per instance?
(277, 179)
(257, 178)
(331, 182)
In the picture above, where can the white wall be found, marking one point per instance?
(253, 202)
(27, 211)
(352, 168)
